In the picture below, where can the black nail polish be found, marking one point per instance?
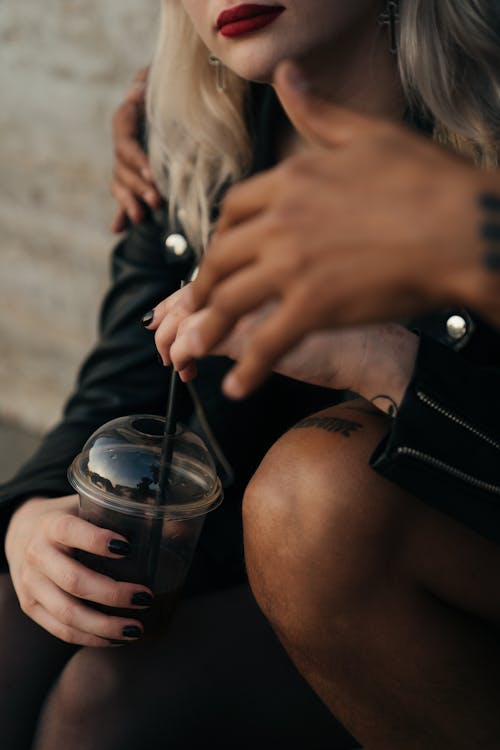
(142, 599)
(148, 318)
(119, 547)
(131, 631)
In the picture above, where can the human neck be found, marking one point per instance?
(357, 72)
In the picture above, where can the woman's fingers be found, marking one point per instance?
(71, 613)
(71, 531)
(65, 632)
(74, 578)
(166, 335)
(181, 302)
(188, 344)
(188, 373)
(166, 318)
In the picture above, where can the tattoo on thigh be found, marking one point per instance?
(344, 427)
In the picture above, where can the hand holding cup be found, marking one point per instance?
(52, 586)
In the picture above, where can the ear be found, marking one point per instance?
(320, 122)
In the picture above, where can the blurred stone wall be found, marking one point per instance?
(64, 66)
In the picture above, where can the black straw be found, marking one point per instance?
(170, 430)
(167, 450)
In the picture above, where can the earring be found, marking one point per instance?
(390, 18)
(220, 74)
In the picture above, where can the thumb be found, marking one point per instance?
(320, 122)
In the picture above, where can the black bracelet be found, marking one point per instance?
(490, 230)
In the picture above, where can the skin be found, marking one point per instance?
(335, 559)
(309, 234)
(389, 609)
(359, 584)
(133, 183)
(323, 37)
(305, 37)
(50, 584)
(368, 360)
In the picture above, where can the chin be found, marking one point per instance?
(254, 67)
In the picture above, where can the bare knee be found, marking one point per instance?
(321, 527)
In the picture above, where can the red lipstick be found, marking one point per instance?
(247, 17)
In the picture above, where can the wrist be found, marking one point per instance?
(388, 367)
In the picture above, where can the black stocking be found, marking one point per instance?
(217, 678)
(30, 661)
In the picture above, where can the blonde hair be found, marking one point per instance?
(198, 138)
(449, 60)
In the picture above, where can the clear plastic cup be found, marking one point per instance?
(117, 478)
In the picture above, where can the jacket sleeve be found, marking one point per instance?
(120, 376)
(444, 444)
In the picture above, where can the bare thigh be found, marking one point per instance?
(390, 608)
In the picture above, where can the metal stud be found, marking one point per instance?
(456, 327)
(177, 243)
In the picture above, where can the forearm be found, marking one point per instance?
(121, 375)
(388, 367)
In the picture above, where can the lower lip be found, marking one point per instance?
(246, 25)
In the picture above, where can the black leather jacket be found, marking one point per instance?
(444, 446)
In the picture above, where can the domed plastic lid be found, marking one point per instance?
(121, 463)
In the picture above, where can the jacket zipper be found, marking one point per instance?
(458, 420)
(448, 469)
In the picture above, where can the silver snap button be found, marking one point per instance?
(456, 327)
(177, 243)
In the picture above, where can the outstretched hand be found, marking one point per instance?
(364, 227)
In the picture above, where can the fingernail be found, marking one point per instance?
(119, 547)
(160, 360)
(147, 174)
(148, 318)
(131, 631)
(142, 599)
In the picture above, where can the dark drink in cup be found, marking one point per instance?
(117, 477)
